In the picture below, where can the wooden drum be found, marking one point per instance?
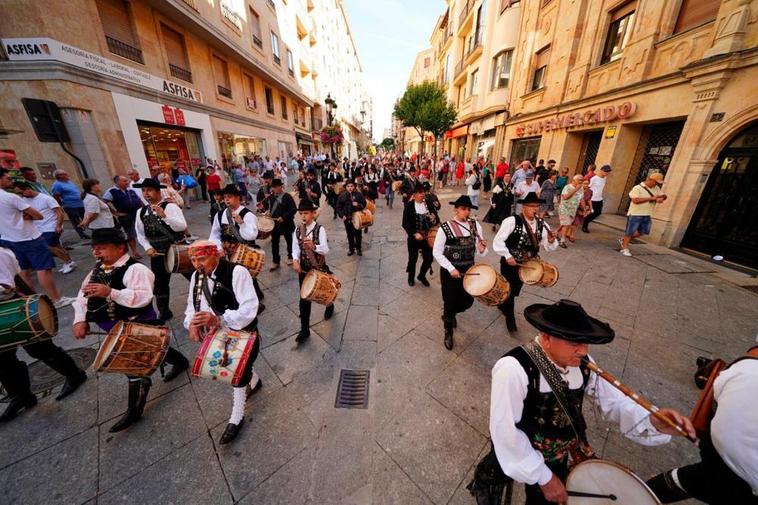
(370, 206)
(431, 235)
(320, 287)
(177, 259)
(224, 355)
(27, 320)
(396, 185)
(265, 227)
(362, 218)
(538, 272)
(605, 478)
(250, 258)
(133, 349)
(486, 285)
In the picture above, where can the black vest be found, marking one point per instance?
(158, 233)
(460, 251)
(305, 262)
(222, 295)
(227, 234)
(520, 244)
(101, 309)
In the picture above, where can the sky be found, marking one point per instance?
(389, 34)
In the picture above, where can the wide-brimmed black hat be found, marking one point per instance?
(276, 183)
(268, 174)
(306, 204)
(530, 197)
(149, 182)
(568, 320)
(102, 236)
(426, 185)
(419, 188)
(231, 189)
(464, 201)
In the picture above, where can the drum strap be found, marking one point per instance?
(233, 226)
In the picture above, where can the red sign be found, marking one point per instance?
(179, 116)
(168, 115)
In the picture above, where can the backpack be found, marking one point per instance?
(477, 184)
(188, 181)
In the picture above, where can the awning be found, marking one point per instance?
(458, 132)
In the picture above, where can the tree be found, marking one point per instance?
(388, 144)
(437, 117)
(425, 107)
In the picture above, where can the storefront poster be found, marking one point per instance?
(168, 115)
(179, 115)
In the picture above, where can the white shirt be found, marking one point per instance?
(597, 185)
(139, 282)
(46, 206)
(14, 227)
(734, 428)
(470, 181)
(522, 462)
(174, 219)
(438, 250)
(321, 248)
(248, 230)
(522, 188)
(244, 292)
(94, 205)
(420, 207)
(507, 227)
(9, 267)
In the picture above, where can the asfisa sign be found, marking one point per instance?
(50, 49)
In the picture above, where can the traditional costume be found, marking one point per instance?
(282, 209)
(347, 203)
(331, 179)
(418, 219)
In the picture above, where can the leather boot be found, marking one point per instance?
(510, 319)
(178, 364)
(72, 384)
(17, 405)
(411, 280)
(132, 413)
(66, 366)
(230, 432)
(164, 312)
(448, 323)
(328, 312)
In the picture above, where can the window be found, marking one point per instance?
(221, 73)
(290, 63)
(176, 52)
(255, 29)
(283, 102)
(619, 32)
(481, 19)
(275, 48)
(447, 67)
(501, 69)
(427, 62)
(269, 100)
(540, 68)
(474, 83)
(695, 13)
(116, 20)
(250, 100)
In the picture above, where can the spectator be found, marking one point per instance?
(97, 214)
(644, 198)
(486, 176)
(520, 173)
(501, 170)
(134, 179)
(23, 238)
(474, 184)
(186, 184)
(200, 176)
(542, 173)
(30, 176)
(584, 210)
(547, 194)
(460, 167)
(168, 193)
(597, 185)
(524, 187)
(561, 181)
(155, 170)
(126, 203)
(571, 196)
(212, 179)
(590, 172)
(70, 198)
(501, 203)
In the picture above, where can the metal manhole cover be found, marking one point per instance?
(352, 391)
(44, 379)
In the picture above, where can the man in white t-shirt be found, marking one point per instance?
(524, 187)
(20, 235)
(597, 185)
(51, 224)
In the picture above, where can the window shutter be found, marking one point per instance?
(220, 70)
(693, 13)
(117, 24)
(622, 11)
(175, 50)
(541, 58)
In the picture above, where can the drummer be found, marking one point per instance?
(120, 289)
(221, 295)
(263, 198)
(309, 250)
(348, 202)
(418, 218)
(159, 225)
(332, 178)
(533, 438)
(518, 240)
(455, 248)
(14, 375)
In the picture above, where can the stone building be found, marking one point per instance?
(424, 69)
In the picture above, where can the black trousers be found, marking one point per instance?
(331, 199)
(75, 215)
(354, 237)
(280, 231)
(414, 246)
(162, 289)
(511, 275)
(305, 306)
(454, 297)
(597, 209)
(534, 494)
(14, 374)
(204, 191)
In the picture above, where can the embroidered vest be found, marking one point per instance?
(306, 262)
(460, 251)
(222, 295)
(519, 242)
(228, 234)
(102, 310)
(158, 233)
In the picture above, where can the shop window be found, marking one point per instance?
(116, 19)
(269, 100)
(525, 149)
(176, 52)
(541, 60)
(290, 63)
(619, 33)
(255, 28)
(474, 83)
(221, 73)
(694, 13)
(250, 100)
(501, 69)
(275, 49)
(283, 103)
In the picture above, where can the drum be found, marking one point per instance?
(250, 258)
(536, 271)
(339, 188)
(431, 235)
(177, 259)
(265, 227)
(224, 355)
(599, 477)
(362, 218)
(396, 185)
(370, 206)
(320, 287)
(27, 320)
(133, 349)
(486, 285)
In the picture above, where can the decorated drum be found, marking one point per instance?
(486, 284)
(250, 258)
(265, 227)
(27, 320)
(320, 287)
(177, 259)
(133, 349)
(370, 206)
(224, 355)
(535, 271)
(598, 478)
(431, 235)
(396, 185)
(362, 218)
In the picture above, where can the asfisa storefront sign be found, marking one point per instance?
(50, 49)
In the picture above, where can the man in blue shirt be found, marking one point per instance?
(126, 202)
(70, 197)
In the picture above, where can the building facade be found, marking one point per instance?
(424, 69)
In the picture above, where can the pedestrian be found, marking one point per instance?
(200, 174)
(597, 185)
(283, 209)
(547, 195)
(644, 198)
(524, 187)
(520, 173)
(561, 181)
(590, 172)
(486, 177)
(212, 179)
(135, 179)
(501, 170)
(186, 184)
(570, 199)
(127, 203)
(473, 185)
(348, 202)
(584, 210)
(97, 213)
(168, 192)
(501, 203)
(70, 197)
(30, 176)
(543, 173)
(459, 171)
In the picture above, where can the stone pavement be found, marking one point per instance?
(427, 419)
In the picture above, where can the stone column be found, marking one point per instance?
(731, 25)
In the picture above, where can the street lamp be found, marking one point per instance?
(331, 104)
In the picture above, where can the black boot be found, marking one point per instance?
(230, 432)
(17, 405)
(328, 312)
(72, 384)
(138, 390)
(455, 321)
(510, 319)
(67, 367)
(164, 312)
(304, 335)
(448, 323)
(178, 364)
(411, 281)
(422, 279)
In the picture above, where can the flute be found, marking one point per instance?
(645, 404)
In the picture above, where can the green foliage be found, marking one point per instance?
(387, 144)
(426, 108)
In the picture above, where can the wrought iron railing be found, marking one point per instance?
(277, 60)
(465, 12)
(224, 91)
(232, 17)
(124, 50)
(181, 73)
(257, 41)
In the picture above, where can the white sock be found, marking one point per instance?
(238, 405)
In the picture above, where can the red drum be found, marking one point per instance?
(224, 355)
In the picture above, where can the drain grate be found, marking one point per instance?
(352, 392)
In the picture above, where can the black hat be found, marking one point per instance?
(149, 182)
(306, 204)
(419, 188)
(231, 189)
(530, 197)
(426, 185)
(268, 174)
(276, 183)
(464, 201)
(568, 320)
(102, 236)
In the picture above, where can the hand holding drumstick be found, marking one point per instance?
(202, 321)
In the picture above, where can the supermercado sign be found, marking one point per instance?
(589, 117)
(49, 49)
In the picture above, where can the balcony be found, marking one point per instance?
(224, 91)
(277, 59)
(257, 41)
(124, 50)
(459, 72)
(463, 17)
(271, 4)
(181, 73)
(474, 50)
(291, 72)
(231, 17)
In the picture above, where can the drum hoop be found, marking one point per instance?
(309, 284)
(636, 477)
(171, 262)
(111, 340)
(245, 357)
(42, 328)
(197, 366)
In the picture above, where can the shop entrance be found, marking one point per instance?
(171, 147)
(236, 148)
(725, 222)
(525, 149)
(590, 147)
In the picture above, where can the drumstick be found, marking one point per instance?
(645, 404)
(581, 494)
(472, 273)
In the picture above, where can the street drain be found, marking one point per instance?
(352, 392)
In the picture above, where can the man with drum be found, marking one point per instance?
(283, 209)
(418, 218)
(409, 183)
(221, 295)
(309, 250)
(331, 179)
(159, 225)
(456, 245)
(518, 240)
(120, 288)
(348, 202)
(536, 420)
(14, 375)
